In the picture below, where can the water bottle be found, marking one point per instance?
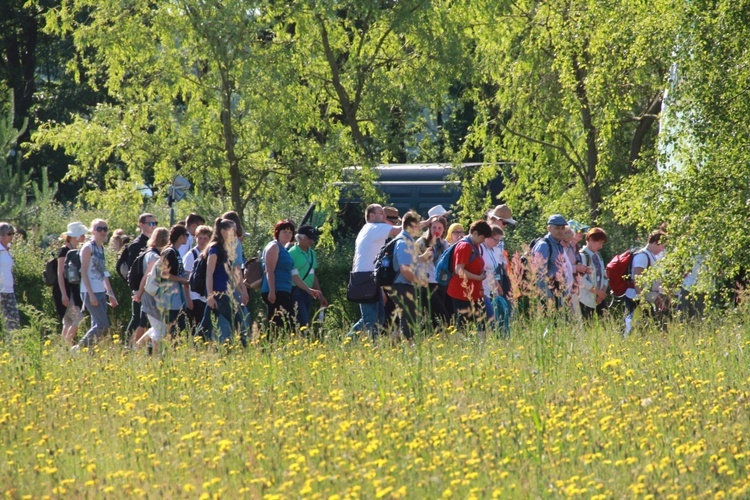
(322, 315)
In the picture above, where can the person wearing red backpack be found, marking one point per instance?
(642, 260)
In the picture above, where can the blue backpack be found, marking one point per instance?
(444, 268)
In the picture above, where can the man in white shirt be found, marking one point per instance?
(370, 240)
(642, 260)
(8, 304)
(191, 223)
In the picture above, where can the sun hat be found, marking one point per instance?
(75, 230)
(503, 212)
(438, 210)
(391, 213)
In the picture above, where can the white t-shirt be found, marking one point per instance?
(499, 255)
(369, 242)
(184, 249)
(490, 264)
(188, 262)
(568, 273)
(642, 259)
(6, 270)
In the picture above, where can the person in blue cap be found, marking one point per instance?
(548, 259)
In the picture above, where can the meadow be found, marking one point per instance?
(552, 411)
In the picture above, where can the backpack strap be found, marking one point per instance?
(309, 269)
(547, 238)
(632, 262)
(588, 258)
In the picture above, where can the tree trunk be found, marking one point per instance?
(235, 179)
(644, 126)
(20, 50)
(592, 150)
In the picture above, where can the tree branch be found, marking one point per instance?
(545, 144)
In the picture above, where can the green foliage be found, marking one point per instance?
(564, 88)
(703, 187)
(31, 292)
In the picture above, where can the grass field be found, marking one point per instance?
(550, 412)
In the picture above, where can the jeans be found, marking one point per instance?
(373, 316)
(439, 313)
(301, 302)
(99, 319)
(279, 314)
(176, 321)
(405, 297)
(226, 318)
(195, 317)
(589, 312)
(137, 319)
(470, 312)
(489, 309)
(9, 308)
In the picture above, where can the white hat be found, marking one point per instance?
(438, 210)
(75, 230)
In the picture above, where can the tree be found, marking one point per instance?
(569, 91)
(200, 88)
(382, 74)
(702, 190)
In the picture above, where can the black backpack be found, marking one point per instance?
(198, 276)
(73, 267)
(384, 273)
(50, 272)
(135, 273)
(122, 267)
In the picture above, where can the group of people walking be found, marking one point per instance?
(158, 264)
(561, 271)
(477, 291)
(194, 277)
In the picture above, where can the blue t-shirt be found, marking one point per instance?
(283, 271)
(221, 278)
(550, 251)
(239, 258)
(403, 255)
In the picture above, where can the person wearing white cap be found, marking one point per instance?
(67, 296)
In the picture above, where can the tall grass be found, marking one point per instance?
(554, 410)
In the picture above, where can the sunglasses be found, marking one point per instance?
(153, 223)
(458, 232)
(9, 234)
(102, 229)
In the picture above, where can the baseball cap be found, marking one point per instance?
(556, 220)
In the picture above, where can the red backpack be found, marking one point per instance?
(619, 270)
